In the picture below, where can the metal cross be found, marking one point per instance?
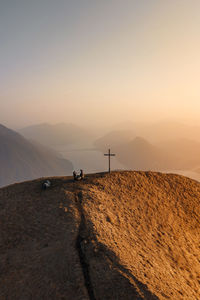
(109, 155)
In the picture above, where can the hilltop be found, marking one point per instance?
(127, 235)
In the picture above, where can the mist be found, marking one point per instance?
(122, 74)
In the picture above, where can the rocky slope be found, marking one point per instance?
(127, 235)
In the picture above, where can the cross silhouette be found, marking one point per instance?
(109, 155)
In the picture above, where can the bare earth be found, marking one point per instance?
(128, 235)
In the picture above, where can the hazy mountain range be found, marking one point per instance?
(161, 131)
(139, 154)
(57, 135)
(22, 160)
(114, 138)
(163, 146)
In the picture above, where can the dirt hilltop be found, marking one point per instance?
(127, 235)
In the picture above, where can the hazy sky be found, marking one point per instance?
(99, 61)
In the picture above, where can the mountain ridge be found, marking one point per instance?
(56, 134)
(22, 160)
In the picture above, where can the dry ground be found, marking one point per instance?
(128, 235)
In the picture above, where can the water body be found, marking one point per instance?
(90, 160)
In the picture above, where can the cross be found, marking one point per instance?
(109, 155)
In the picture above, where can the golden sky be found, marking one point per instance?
(99, 61)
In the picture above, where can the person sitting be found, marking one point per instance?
(46, 184)
(75, 175)
(81, 174)
(78, 177)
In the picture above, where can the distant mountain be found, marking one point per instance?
(185, 152)
(56, 135)
(22, 160)
(114, 138)
(179, 154)
(139, 154)
(168, 151)
(160, 131)
(135, 152)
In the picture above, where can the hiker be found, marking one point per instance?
(46, 184)
(78, 177)
(74, 175)
(81, 174)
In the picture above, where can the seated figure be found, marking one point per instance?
(46, 184)
(78, 177)
(81, 174)
(74, 175)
